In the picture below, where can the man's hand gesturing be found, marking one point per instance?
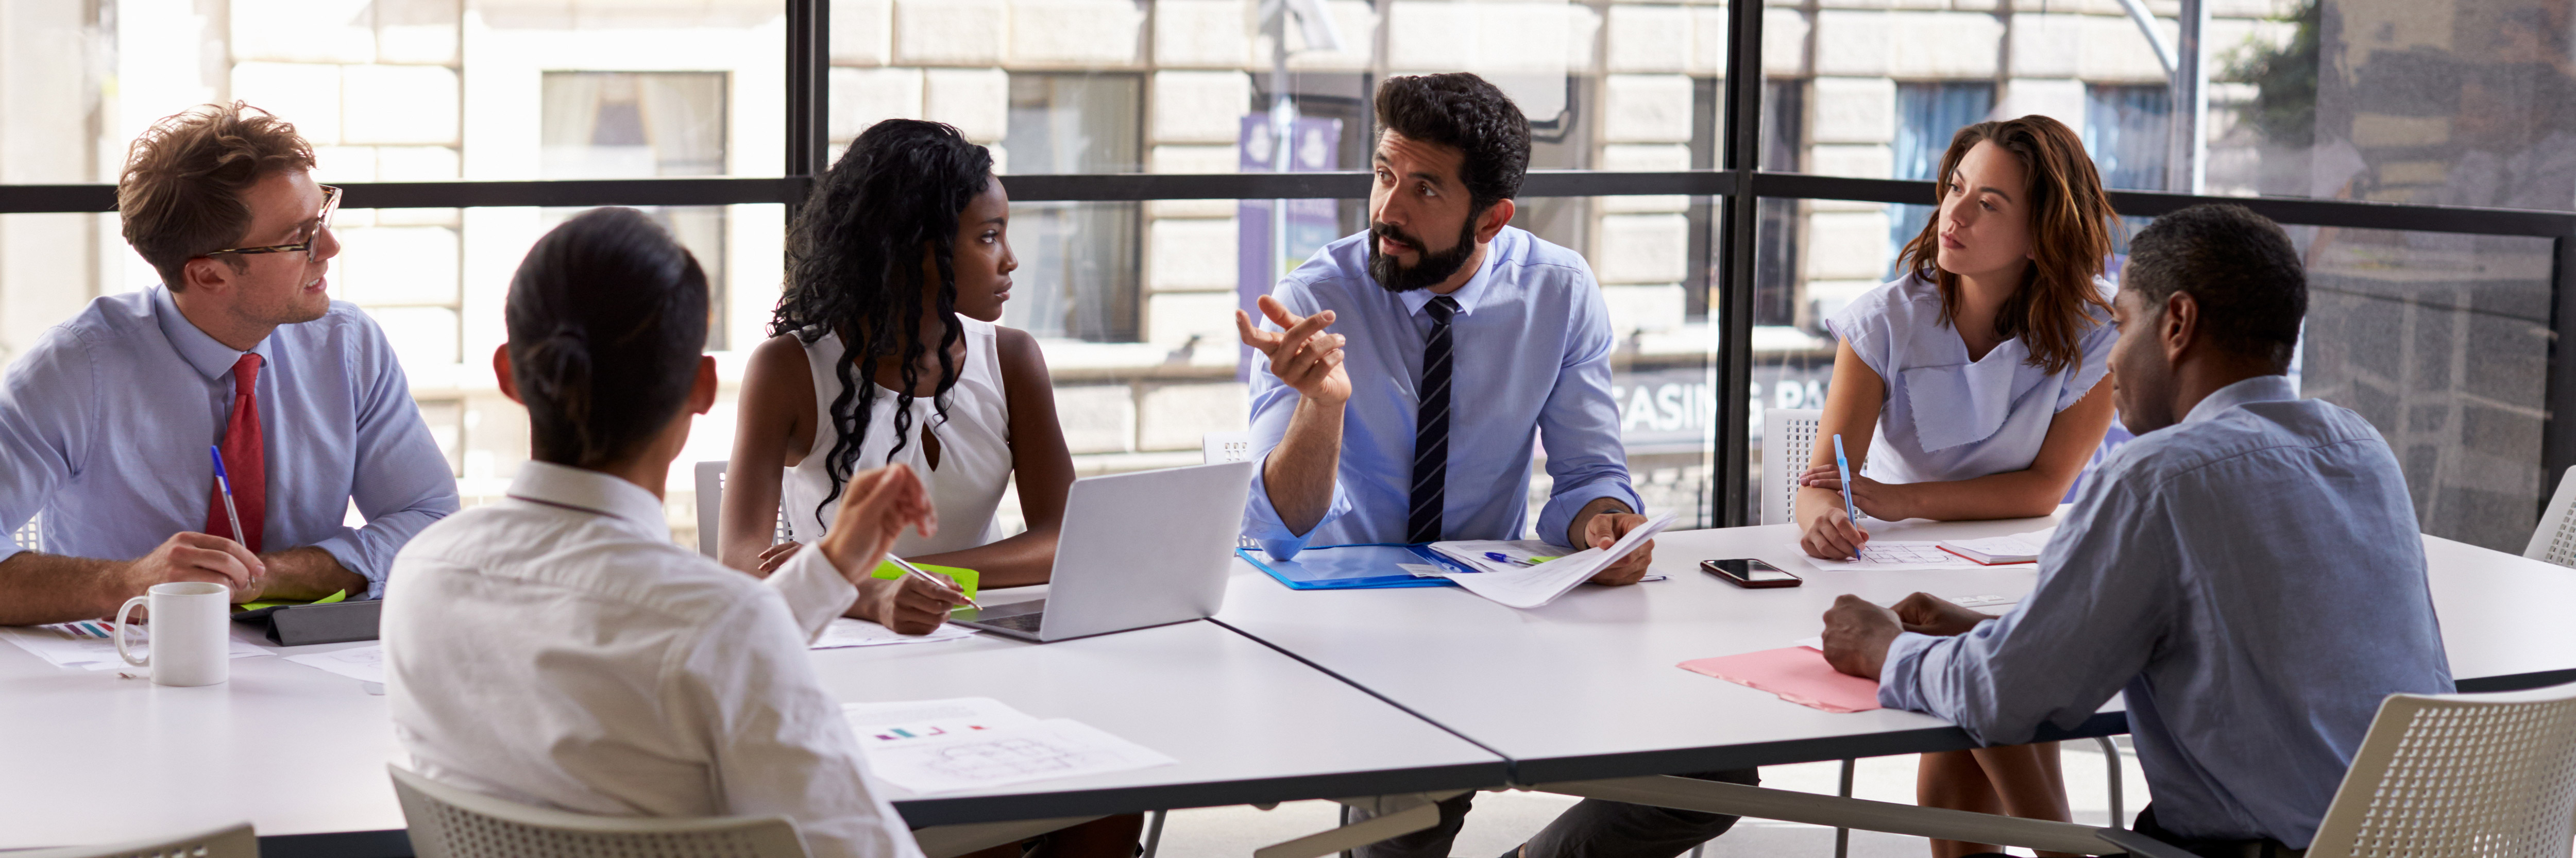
(1302, 355)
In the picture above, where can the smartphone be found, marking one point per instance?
(1750, 573)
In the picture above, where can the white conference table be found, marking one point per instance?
(1587, 686)
(301, 753)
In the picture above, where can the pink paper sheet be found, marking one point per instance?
(1797, 674)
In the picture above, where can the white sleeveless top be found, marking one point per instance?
(974, 448)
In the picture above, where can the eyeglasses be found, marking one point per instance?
(308, 239)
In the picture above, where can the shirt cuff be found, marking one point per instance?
(1261, 521)
(1898, 685)
(1558, 515)
(344, 548)
(816, 591)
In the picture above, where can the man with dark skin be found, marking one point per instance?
(2245, 571)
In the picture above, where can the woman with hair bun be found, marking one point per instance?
(1975, 386)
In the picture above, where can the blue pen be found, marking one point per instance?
(234, 515)
(1843, 466)
(1500, 557)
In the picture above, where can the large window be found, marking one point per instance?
(1152, 148)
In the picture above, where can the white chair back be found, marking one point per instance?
(232, 841)
(1218, 447)
(2555, 539)
(447, 822)
(2445, 775)
(711, 486)
(1788, 441)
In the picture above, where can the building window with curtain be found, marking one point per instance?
(2124, 131)
(1927, 116)
(631, 125)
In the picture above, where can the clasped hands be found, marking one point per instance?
(876, 506)
(1857, 632)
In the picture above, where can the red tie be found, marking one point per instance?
(243, 461)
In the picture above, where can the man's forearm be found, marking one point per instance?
(1299, 472)
(50, 588)
(308, 573)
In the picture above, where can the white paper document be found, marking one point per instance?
(1897, 556)
(86, 645)
(362, 663)
(1472, 552)
(846, 632)
(1535, 586)
(935, 746)
(2001, 550)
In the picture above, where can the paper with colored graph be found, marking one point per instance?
(935, 746)
(88, 645)
(1535, 586)
(1796, 674)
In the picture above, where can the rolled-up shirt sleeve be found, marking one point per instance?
(1273, 404)
(1580, 425)
(816, 591)
(2106, 593)
(402, 480)
(48, 401)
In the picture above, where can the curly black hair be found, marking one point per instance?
(1466, 113)
(854, 269)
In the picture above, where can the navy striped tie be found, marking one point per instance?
(1431, 427)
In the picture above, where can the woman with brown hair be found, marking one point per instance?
(1974, 387)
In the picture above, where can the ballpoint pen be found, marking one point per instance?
(909, 569)
(1500, 557)
(225, 483)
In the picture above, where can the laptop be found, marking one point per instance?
(1144, 549)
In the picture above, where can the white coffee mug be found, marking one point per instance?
(190, 621)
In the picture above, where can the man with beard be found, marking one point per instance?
(1410, 369)
(106, 422)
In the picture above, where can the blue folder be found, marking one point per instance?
(1352, 567)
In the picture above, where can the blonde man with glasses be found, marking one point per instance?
(111, 425)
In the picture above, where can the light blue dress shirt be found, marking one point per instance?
(1948, 417)
(104, 427)
(2251, 577)
(1531, 365)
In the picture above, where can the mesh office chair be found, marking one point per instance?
(711, 483)
(2554, 541)
(231, 841)
(447, 822)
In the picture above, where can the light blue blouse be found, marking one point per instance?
(1947, 417)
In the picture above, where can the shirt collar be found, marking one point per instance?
(591, 491)
(199, 349)
(2261, 388)
(1468, 295)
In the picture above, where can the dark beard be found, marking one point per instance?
(1433, 267)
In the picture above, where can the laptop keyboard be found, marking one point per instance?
(1017, 622)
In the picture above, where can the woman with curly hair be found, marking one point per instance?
(884, 350)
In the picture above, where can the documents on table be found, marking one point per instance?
(1477, 553)
(362, 663)
(934, 746)
(1998, 550)
(88, 645)
(1535, 586)
(846, 632)
(1898, 556)
(1796, 674)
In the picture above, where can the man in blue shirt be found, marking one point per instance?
(1412, 368)
(2247, 570)
(106, 424)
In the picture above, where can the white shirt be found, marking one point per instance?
(1948, 417)
(974, 448)
(557, 649)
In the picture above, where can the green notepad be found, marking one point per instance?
(964, 577)
(254, 606)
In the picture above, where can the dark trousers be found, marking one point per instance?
(1591, 829)
(2146, 825)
